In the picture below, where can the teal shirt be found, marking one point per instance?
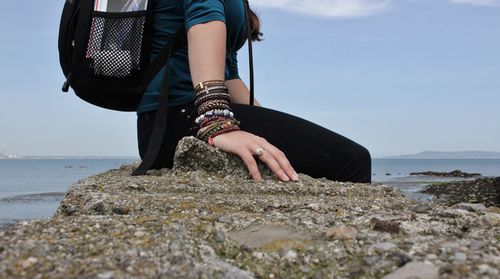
(168, 17)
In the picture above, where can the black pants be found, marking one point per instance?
(310, 148)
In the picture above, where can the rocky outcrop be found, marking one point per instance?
(455, 173)
(206, 219)
(485, 191)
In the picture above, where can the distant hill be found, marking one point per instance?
(450, 155)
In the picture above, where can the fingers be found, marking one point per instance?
(279, 157)
(249, 161)
(275, 167)
(245, 145)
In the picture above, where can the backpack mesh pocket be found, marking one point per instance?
(115, 44)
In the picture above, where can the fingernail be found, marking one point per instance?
(285, 178)
(295, 176)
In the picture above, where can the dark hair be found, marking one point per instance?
(254, 24)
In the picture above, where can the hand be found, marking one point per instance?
(245, 145)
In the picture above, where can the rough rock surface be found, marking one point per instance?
(206, 219)
(483, 190)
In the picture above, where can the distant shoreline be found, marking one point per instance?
(73, 158)
(415, 158)
(465, 155)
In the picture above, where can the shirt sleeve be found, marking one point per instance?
(201, 11)
(232, 66)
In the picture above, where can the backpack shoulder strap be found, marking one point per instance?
(250, 51)
(160, 125)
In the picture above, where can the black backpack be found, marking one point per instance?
(104, 54)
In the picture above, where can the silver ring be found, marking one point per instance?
(259, 151)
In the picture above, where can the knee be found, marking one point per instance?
(363, 156)
(363, 165)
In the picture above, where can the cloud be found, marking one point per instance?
(478, 2)
(328, 8)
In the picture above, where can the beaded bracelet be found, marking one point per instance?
(214, 114)
(212, 105)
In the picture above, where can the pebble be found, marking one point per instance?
(69, 211)
(486, 269)
(385, 226)
(313, 206)
(472, 207)
(415, 270)
(225, 219)
(491, 219)
(383, 246)
(139, 234)
(289, 254)
(476, 244)
(341, 233)
(370, 260)
(421, 208)
(220, 236)
(460, 257)
(121, 210)
(106, 275)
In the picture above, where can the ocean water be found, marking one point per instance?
(33, 189)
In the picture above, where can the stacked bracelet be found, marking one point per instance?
(214, 114)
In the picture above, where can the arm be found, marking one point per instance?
(240, 94)
(206, 51)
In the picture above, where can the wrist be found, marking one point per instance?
(214, 113)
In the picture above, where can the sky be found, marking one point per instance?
(398, 77)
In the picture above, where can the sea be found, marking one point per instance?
(33, 188)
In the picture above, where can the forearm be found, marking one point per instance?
(240, 94)
(206, 51)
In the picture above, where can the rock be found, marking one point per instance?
(476, 244)
(383, 246)
(219, 236)
(210, 223)
(289, 254)
(225, 219)
(455, 173)
(460, 257)
(488, 270)
(341, 233)
(136, 187)
(260, 235)
(370, 260)
(70, 211)
(121, 210)
(462, 212)
(472, 207)
(106, 275)
(479, 191)
(421, 208)
(313, 206)
(490, 219)
(193, 154)
(415, 270)
(385, 226)
(98, 208)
